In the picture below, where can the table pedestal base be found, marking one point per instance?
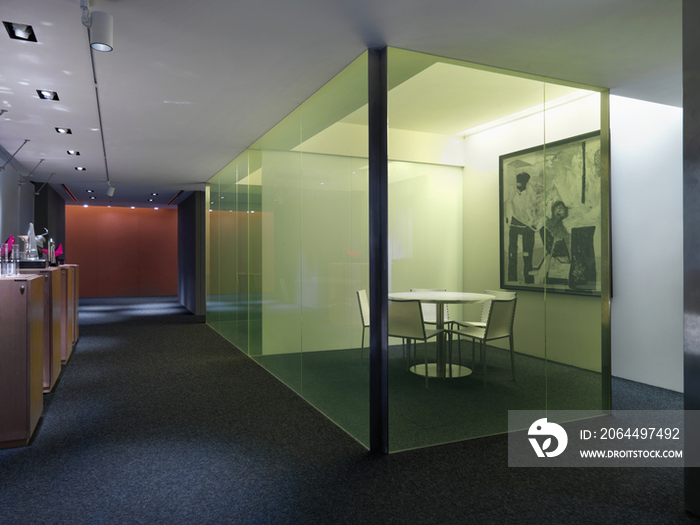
(457, 370)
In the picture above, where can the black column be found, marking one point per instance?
(691, 246)
(378, 253)
(191, 254)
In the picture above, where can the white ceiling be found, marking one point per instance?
(190, 85)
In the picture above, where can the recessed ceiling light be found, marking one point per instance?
(90, 191)
(85, 205)
(154, 194)
(73, 152)
(155, 208)
(64, 131)
(150, 200)
(133, 207)
(80, 168)
(93, 197)
(20, 31)
(46, 94)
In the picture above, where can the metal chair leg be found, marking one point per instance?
(483, 360)
(362, 348)
(512, 357)
(426, 364)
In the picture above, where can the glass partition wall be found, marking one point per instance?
(495, 188)
(497, 185)
(288, 246)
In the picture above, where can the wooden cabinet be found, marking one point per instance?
(21, 357)
(68, 311)
(52, 324)
(74, 296)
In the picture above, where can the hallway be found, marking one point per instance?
(157, 419)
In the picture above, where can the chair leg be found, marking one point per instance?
(483, 360)
(362, 348)
(512, 357)
(459, 349)
(406, 348)
(426, 364)
(449, 361)
(473, 352)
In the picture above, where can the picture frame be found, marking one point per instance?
(550, 217)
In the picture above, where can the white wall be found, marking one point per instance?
(565, 328)
(647, 242)
(16, 202)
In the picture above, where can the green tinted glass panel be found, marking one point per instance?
(473, 173)
(294, 250)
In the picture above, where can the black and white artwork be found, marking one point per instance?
(550, 217)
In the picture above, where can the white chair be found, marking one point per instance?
(405, 319)
(498, 325)
(485, 306)
(430, 310)
(363, 301)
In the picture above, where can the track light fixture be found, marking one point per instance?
(100, 27)
(110, 190)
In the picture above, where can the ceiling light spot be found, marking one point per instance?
(85, 205)
(80, 168)
(133, 207)
(154, 194)
(150, 200)
(20, 31)
(90, 191)
(47, 94)
(72, 152)
(64, 131)
(155, 208)
(93, 197)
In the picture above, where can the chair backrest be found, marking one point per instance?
(430, 310)
(363, 300)
(501, 317)
(486, 305)
(406, 319)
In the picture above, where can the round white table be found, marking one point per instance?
(440, 299)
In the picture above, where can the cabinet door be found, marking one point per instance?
(21, 358)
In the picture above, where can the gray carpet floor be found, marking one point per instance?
(157, 419)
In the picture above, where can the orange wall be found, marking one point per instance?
(123, 252)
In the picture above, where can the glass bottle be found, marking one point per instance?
(3, 260)
(14, 263)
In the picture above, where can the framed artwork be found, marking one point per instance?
(550, 217)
